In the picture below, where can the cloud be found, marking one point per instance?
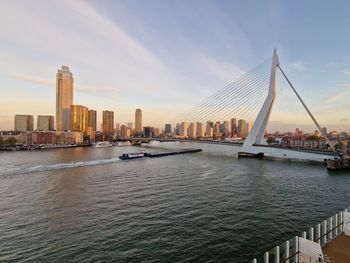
(34, 79)
(220, 69)
(297, 66)
(337, 96)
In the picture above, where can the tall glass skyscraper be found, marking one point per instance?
(138, 121)
(64, 98)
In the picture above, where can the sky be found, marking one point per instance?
(166, 56)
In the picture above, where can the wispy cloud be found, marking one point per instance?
(337, 96)
(219, 69)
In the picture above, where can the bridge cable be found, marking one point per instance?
(307, 109)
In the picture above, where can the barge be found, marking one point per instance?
(138, 155)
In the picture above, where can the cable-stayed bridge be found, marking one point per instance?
(251, 96)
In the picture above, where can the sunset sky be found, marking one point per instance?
(166, 56)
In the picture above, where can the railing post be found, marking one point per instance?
(324, 231)
(330, 228)
(296, 258)
(312, 234)
(341, 221)
(266, 257)
(287, 251)
(254, 261)
(319, 233)
(336, 224)
(277, 254)
(304, 234)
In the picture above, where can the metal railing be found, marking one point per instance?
(288, 252)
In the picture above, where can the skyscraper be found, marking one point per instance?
(192, 130)
(92, 119)
(209, 129)
(45, 123)
(64, 98)
(183, 129)
(242, 128)
(200, 130)
(138, 121)
(24, 122)
(108, 123)
(167, 129)
(233, 127)
(79, 118)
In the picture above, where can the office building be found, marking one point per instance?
(138, 121)
(183, 129)
(108, 123)
(24, 123)
(45, 123)
(200, 130)
(242, 128)
(92, 122)
(209, 131)
(167, 129)
(192, 130)
(64, 98)
(233, 127)
(79, 118)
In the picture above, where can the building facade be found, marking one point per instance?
(138, 121)
(64, 98)
(79, 118)
(24, 123)
(108, 123)
(45, 123)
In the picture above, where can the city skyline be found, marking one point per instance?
(141, 66)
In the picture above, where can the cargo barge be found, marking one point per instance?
(138, 155)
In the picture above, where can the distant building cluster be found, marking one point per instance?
(77, 124)
(217, 130)
(74, 123)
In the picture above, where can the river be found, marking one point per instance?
(86, 205)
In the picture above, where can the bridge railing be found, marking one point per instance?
(322, 233)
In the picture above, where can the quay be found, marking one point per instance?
(327, 242)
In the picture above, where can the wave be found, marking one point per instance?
(59, 166)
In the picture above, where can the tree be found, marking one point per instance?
(11, 141)
(313, 138)
(270, 140)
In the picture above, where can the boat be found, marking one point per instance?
(102, 144)
(128, 156)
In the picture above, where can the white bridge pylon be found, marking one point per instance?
(253, 144)
(257, 132)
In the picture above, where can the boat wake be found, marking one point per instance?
(42, 168)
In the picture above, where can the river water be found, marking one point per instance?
(85, 205)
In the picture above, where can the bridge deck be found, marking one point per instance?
(338, 249)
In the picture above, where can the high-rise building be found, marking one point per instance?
(79, 118)
(148, 131)
(233, 127)
(167, 129)
(177, 129)
(183, 129)
(200, 131)
(124, 131)
(45, 123)
(64, 98)
(242, 128)
(129, 124)
(24, 122)
(192, 130)
(92, 122)
(138, 121)
(224, 129)
(108, 123)
(209, 131)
